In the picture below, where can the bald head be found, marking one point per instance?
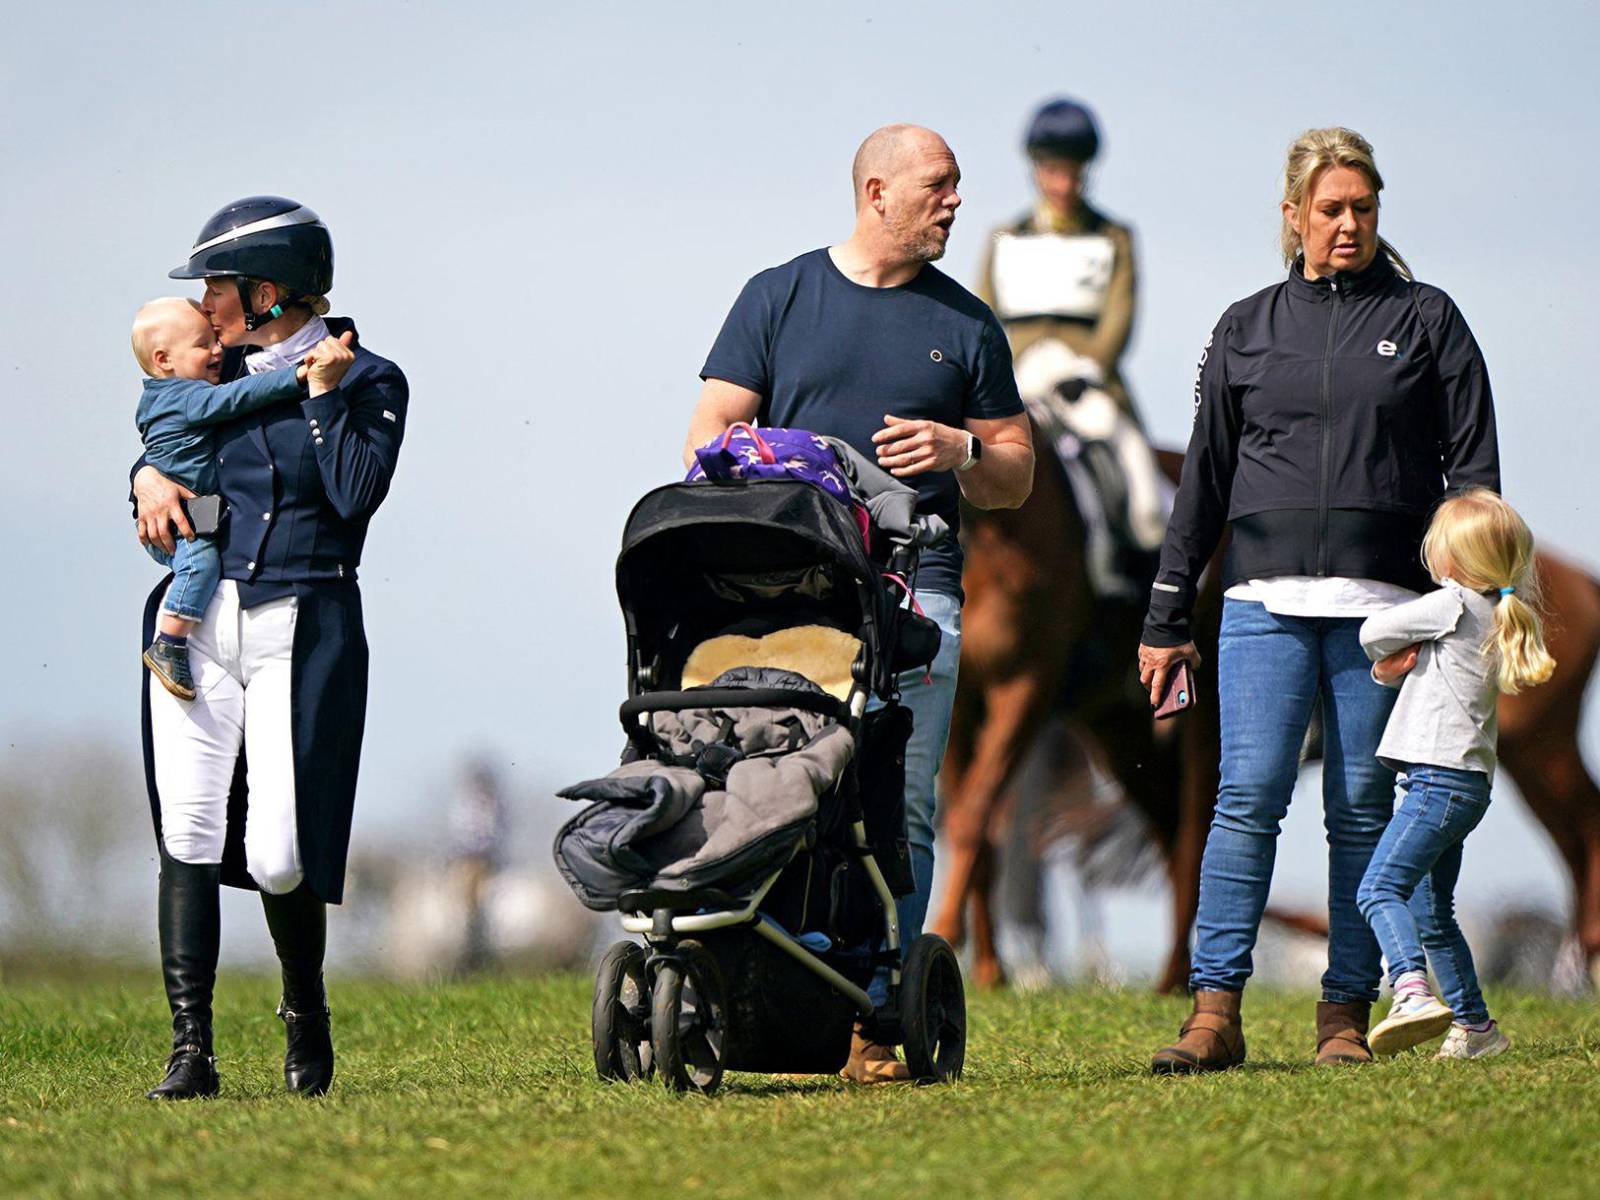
(168, 325)
(890, 151)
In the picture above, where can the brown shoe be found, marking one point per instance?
(1342, 1033)
(1212, 1039)
(873, 1062)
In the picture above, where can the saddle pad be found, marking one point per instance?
(821, 654)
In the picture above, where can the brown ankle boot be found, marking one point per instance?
(873, 1062)
(1212, 1039)
(1342, 1032)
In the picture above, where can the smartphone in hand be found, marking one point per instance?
(1178, 693)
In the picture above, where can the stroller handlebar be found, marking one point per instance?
(726, 697)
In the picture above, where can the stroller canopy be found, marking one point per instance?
(700, 559)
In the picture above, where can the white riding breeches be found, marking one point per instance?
(241, 660)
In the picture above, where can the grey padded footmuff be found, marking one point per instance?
(666, 827)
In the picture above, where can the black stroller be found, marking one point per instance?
(755, 833)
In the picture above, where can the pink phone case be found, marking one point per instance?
(1179, 693)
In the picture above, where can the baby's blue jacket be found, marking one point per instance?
(176, 416)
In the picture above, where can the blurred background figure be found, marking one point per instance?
(478, 829)
(1061, 279)
(1064, 270)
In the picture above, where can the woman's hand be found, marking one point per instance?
(1156, 662)
(326, 364)
(160, 504)
(1394, 667)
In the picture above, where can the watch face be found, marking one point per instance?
(975, 447)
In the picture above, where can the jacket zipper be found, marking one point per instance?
(1325, 442)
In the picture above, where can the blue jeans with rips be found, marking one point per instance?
(1271, 669)
(930, 695)
(196, 571)
(1408, 894)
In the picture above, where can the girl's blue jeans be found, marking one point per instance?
(1271, 670)
(1408, 894)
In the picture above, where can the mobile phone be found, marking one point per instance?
(205, 513)
(1178, 694)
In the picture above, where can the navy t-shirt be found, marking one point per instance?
(833, 356)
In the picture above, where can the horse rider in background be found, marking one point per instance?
(1061, 279)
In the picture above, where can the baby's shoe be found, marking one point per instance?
(170, 664)
(1412, 1020)
(1462, 1042)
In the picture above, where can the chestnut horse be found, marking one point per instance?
(1036, 643)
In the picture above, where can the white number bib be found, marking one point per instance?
(1051, 274)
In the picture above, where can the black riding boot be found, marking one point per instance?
(298, 921)
(190, 924)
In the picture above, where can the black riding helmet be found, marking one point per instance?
(1063, 128)
(268, 238)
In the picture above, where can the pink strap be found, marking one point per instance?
(767, 456)
(906, 588)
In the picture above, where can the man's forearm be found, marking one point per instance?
(1002, 478)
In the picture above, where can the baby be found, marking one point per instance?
(180, 353)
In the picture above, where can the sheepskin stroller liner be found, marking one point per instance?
(761, 957)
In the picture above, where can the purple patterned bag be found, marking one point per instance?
(745, 453)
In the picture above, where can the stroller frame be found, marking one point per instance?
(665, 1010)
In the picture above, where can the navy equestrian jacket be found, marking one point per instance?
(302, 479)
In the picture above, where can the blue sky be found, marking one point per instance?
(543, 213)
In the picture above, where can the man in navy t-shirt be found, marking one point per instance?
(868, 342)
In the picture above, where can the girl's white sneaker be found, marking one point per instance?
(1462, 1042)
(1410, 1023)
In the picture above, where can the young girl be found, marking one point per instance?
(1477, 636)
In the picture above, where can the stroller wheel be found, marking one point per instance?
(688, 1020)
(621, 1020)
(933, 1011)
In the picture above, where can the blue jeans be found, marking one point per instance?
(1408, 894)
(196, 571)
(930, 702)
(1270, 671)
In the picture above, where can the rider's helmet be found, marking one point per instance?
(267, 238)
(1063, 128)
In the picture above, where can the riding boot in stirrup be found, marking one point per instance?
(298, 921)
(190, 925)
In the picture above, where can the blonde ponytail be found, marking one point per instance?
(1518, 641)
(1480, 541)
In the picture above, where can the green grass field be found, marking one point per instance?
(487, 1089)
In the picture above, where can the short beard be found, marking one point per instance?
(929, 248)
(920, 245)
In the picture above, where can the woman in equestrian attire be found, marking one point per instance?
(252, 784)
(1064, 270)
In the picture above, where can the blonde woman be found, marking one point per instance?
(1333, 411)
(1478, 635)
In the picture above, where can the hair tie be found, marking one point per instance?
(1507, 591)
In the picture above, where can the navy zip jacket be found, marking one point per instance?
(1331, 415)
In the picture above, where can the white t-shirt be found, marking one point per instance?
(1318, 596)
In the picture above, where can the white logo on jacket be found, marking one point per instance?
(1200, 370)
(1388, 349)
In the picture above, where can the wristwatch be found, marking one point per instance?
(974, 452)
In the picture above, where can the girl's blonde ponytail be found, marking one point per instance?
(1481, 542)
(1519, 644)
